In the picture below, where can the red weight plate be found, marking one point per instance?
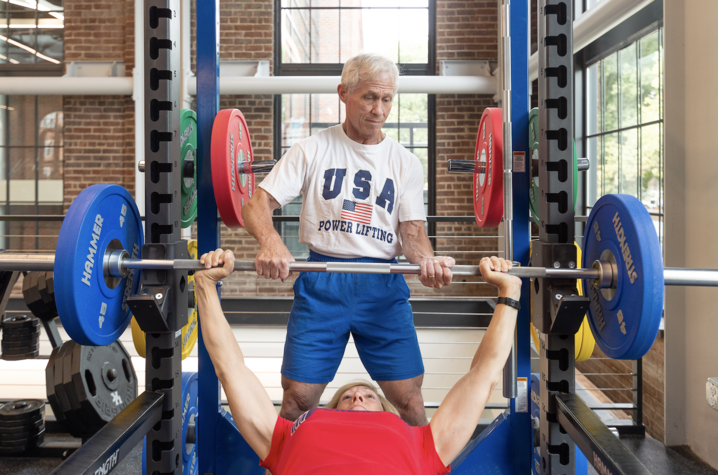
(488, 185)
(231, 146)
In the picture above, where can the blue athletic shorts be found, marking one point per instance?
(373, 307)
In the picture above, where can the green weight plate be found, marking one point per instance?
(534, 146)
(188, 151)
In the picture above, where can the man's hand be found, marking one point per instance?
(273, 260)
(436, 271)
(493, 270)
(212, 262)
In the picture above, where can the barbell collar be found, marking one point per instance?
(583, 164)
(141, 166)
(465, 166)
(262, 166)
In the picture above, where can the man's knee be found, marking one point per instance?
(410, 404)
(298, 398)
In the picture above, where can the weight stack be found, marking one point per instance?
(22, 426)
(20, 337)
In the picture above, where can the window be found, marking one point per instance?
(625, 124)
(31, 31)
(31, 168)
(316, 38)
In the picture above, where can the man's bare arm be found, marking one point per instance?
(435, 271)
(273, 257)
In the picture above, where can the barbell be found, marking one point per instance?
(117, 263)
(98, 256)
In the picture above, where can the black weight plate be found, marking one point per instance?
(24, 356)
(30, 339)
(14, 450)
(101, 391)
(90, 423)
(21, 432)
(20, 321)
(12, 427)
(50, 386)
(46, 286)
(22, 409)
(20, 332)
(73, 423)
(19, 347)
(27, 442)
(31, 295)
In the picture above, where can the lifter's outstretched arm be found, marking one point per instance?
(251, 407)
(459, 413)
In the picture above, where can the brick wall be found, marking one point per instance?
(465, 30)
(99, 130)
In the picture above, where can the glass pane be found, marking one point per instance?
(352, 42)
(414, 36)
(295, 3)
(325, 111)
(50, 43)
(629, 162)
(3, 119)
(629, 86)
(593, 181)
(380, 32)
(295, 118)
(325, 36)
(391, 126)
(610, 163)
(423, 155)
(651, 167)
(22, 174)
(610, 92)
(295, 36)
(593, 112)
(50, 153)
(325, 3)
(650, 79)
(3, 179)
(21, 119)
(413, 107)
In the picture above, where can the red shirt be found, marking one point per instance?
(328, 441)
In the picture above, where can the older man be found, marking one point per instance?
(362, 202)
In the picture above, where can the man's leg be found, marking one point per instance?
(405, 394)
(299, 397)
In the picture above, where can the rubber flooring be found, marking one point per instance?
(659, 460)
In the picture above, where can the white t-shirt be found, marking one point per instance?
(354, 195)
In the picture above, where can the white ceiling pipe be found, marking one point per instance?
(243, 85)
(328, 85)
(66, 86)
(596, 22)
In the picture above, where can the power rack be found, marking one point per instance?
(161, 307)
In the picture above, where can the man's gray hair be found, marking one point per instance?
(367, 66)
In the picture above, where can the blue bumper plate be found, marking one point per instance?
(190, 399)
(93, 307)
(624, 319)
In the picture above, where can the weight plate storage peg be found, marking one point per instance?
(189, 331)
(190, 410)
(93, 305)
(624, 319)
(488, 183)
(188, 152)
(231, 147)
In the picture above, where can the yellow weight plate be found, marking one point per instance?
(584, 339)
(189, 331)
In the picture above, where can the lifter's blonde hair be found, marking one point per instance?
(385, 404)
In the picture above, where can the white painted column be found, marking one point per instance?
(691, 223)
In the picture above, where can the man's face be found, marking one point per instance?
(369, 105)
(359, 398)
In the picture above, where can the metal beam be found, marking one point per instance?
(113, 442)
(603, 449)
